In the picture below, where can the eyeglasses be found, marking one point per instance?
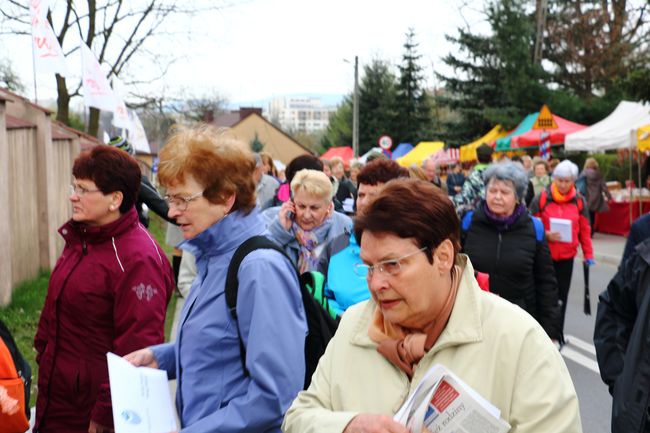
(390, 267)
(80, 190)
(181, 203)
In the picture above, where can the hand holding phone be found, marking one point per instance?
(287, 214)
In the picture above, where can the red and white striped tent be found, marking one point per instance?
(447, 156)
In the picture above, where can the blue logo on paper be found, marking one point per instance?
(131, 417)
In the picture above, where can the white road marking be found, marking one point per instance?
(579, 358)
(581, 344)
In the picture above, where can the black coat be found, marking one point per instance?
(622, 341)
(519, 266)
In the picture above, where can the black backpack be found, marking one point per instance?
(321, 326)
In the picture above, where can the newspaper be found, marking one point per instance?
(443, 403)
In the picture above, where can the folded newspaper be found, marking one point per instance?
(442, 402)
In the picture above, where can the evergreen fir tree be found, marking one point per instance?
(413, 104)
(377, 93)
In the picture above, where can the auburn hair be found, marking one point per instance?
(111, 169)
(412, 208)
(217, 160)
(380, 171)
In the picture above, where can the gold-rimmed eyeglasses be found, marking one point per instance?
(390, 267)
(180, 203)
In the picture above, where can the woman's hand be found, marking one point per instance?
(373, 423)
(286, 214)
(142, 358)
(553, 236)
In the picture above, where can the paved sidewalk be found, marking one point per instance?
(607, 248)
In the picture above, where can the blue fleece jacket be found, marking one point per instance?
(213, 394)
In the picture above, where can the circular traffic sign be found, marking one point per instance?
(385, 142)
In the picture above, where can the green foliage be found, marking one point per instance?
(636, 85)
(413, 104)
(377, 105)
(339, 130)
(494, 79)
(21, 317)
(76, 122)
(256, 144)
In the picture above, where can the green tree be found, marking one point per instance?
(256, 144)
(413, 104)
(339, 129)
(377, 101)
(494, 78)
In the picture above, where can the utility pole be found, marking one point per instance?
(542, 6)
(355, 110)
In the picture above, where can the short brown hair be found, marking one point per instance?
(112, 170)
(216, 159)
(380, 171)
(412, 208)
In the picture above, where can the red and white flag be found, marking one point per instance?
(97, 90)
(137, 135)
(48, 55)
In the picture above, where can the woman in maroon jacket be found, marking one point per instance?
(108, 293)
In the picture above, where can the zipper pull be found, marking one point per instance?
(84, 248)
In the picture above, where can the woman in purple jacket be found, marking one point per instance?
(108, 293)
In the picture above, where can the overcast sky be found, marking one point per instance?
(257, 49)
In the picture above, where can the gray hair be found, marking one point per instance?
(566, 169)
(508, 171)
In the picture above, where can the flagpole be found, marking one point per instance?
(34, 69)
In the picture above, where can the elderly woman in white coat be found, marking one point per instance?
(427, 309)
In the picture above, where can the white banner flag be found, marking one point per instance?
(97, 90)
(137, 135)
(121, 115)
(48, 55)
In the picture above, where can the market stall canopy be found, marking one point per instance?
(401, 150)
(643, 138)
(420, 153)
(446, 157)
(614, 131)
(343, 152)
(556, 136)
(364, 158)
(503, 144)
(468, 151)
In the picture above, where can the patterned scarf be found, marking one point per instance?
(405, 347)
(308, 242)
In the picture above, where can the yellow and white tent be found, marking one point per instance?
(420, 152)
(643, 138)
(468, 151)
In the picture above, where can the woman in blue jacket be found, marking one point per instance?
(211, 194)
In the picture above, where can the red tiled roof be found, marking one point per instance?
(16, 123)
(14, 97)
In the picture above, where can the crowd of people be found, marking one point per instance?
(395, 257)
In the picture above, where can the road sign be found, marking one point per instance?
(385, 142)
(545, 119)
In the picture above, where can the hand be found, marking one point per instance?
(590, 262)
(286, 209)
(142, 358)
(553, 236)
(373, 423)
(98, 428)
(458, 188)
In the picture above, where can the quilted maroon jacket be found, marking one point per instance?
(108, 292)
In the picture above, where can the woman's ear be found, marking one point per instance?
(116, 200)
(444, 256)
(229, 202)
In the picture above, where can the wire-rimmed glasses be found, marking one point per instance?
(180, 203)
(390, 267)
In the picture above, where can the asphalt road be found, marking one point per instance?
(580, 355)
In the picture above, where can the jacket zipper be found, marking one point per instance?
(498, 250)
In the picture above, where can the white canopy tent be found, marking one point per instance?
(364, 158)
(614, 131)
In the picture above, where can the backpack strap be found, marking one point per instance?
(543, 197)
(539, 228)
(232, 281)
(466, 222)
